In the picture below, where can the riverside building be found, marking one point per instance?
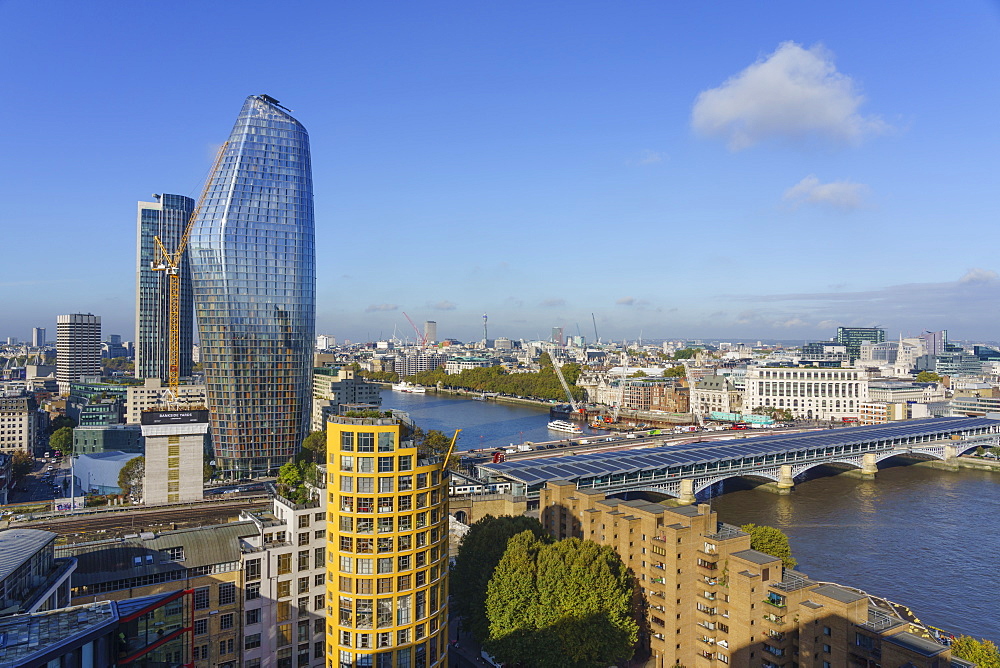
(808, 392)
(387, 523)
(253, 270)
(714, 601)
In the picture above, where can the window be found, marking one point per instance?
(251, 641)
(385, 504)
(364, 586)
(827, 631)
(421, 481)
(346, 544)
(364, 567)
(405, 463)
(303, 560)
(385, 524)
(227, 593)
(251, 570)
(200, 627)
(201, 652)
(386, 441)
(366, 441)
(405, 503)
(403, 583)
(826, 649)
(385, 464)
(405, 542)
(319, 556)
(346, 483)
(346, 584)
(403, 638)
(385, 565)
(403, 610)
(403, 562)
(346, 523)
(386, 484)
(284, 610)
(252, 616)
(405, 522)
(226, 621)
(384, 585)
(422, 500)
(385, 544)
(284, 635)
(252, 591)
(347, 441)
(201, 598)
(366, 464)
(366, 485)
(175, 553)
(319, 649)
(318, 602)
(284, 588)
(405, 482)
(303, 585)
(284, 564)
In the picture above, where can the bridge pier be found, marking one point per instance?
(869, 465)
(785, 481)
(685, 496)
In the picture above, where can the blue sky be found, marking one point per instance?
(707, 170)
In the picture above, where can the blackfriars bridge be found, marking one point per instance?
(682, 471)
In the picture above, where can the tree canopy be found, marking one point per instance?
(21, 463)
(686, 353)
(928, 377)
(131, 475)
(675, 372)
(61, 421)
(480, 552)
(561, 605)
(62, 440)
(983, 653)
(543, 384)
(770, 540)
(314, 446)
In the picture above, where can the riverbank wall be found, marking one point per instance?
(472, 394)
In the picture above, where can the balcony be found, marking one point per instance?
(707, 640)
(710, 580)
(708, 595)
(711, 612)
(707, 625)
(708, 565)
(708, 655)
(774, 619)
(776, 602)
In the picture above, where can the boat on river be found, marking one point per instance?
(409, 387)
(565, 426)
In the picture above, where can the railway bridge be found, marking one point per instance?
(684, 471)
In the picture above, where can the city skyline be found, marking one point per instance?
(746, 174)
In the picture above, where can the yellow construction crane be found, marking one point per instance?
(170, 262)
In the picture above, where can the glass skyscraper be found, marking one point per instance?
(166, 218)
(253, 267)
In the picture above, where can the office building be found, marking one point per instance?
(557, 336)
(31, 578)
(253, 270)
(335, 386)
(715, 394)
(175, 455)
(935, 343)
(107, 438)
(712, 600)
(38, 337)
(154, 395)
(324, 342)
(430, 331)
(19, 423)
(388, 546)
(78, 347)
(853, 337)
(808, 392)
(408, 365)
(165, 218)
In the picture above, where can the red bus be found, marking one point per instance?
(740, 425)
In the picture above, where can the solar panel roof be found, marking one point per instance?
(572, 467)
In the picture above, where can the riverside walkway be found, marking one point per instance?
(683, 471)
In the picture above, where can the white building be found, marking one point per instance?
(460, 364)
(78, 348)
(808, 392)
(175, 456)
(715, 393)
(153, 395)
(18, 423)
(333, 386)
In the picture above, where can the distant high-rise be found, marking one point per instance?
(430, 331)
(253, 269)
(557, 335)
(853, 337)
(78, 348)
(38, 337)
(935, 343)
(166, 218)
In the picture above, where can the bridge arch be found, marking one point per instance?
(671, 489)
(702, 484)
(800, 470)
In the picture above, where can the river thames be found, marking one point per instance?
(921, 537)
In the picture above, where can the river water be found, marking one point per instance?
(922, 537)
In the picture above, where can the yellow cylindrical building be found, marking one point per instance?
(387, 534)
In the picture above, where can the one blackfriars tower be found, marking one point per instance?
(253, 270)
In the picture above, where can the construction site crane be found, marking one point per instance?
(169, 262)
(556, 366)
(421, 341)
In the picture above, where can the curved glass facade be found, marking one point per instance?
(253, 270)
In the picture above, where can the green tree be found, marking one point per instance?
(314, 446)
(131, 475)
(565, 604)
(772, 541)
(675, 372)
(995, 451)
(61, 421)
(686, 353)
(21, 463)
(62, 440)
(983, 653)
(638, 374)
(928, 377)
(289, 476)
(478, 556)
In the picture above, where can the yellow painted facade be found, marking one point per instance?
(387, 529)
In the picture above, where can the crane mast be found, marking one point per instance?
(421, 341)
(562, 380)
(169, 262)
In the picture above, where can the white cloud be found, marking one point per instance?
(626, 301)
(976, 275)
(382, 307)
(444, 305)
(792, 94)
(842, 195)
(552, 303)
